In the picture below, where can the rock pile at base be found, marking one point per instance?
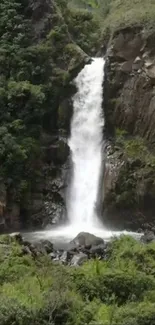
(83, 247)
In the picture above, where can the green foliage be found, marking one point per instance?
(119, 290)
(84, 29)
(125, 13)
(133, 147)
(36, 67)
(124, 282)
(136, 176)
(115, 14)
(100, 8)
(134, 314)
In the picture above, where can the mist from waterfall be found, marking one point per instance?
(86, 146)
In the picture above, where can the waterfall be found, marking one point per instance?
(86, 146)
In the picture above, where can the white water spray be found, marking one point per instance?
(86, 146)
(87, 153)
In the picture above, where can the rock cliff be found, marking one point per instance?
(130, 118)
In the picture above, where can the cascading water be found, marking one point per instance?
(86, 146)
(87, 154)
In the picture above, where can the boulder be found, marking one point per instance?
(127, 44)
(26, 250)
(98, 250)
(148, 237)
(64, 257)
(17, 236)
(79, 259)
(53, 255)
(48, 246)
(126, 66)
(87, 240)
(72, 247)
(41, 247)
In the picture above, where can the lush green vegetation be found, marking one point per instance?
(135, 184)
(36, 65)
(119, 290)
(135, 147)
(130, 13)
(116, 14)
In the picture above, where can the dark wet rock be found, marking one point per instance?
(72, 247)
(127, 66)
(52, 255)
(79, 259)
(153, 229)
(98, 250)
(42, 247)
(147, 226)
(58, 152)
(26, 250)
(64, 257)
(140, 230)
(127, 45)
(64, 114)
(57, 255)
(26, 242)
(48, 246)
(54, 210)
(17, 236)
(148, 237)
(56, 259)
(84, 250)
(34, 250)
(86, 239)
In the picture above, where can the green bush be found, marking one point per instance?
(125, 286)
(118, 291)
(116, 14)
(133, 314)
(127, 253)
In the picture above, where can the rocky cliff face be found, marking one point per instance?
(130, 82)
(130, 118)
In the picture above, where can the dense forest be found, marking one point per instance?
(41, 49)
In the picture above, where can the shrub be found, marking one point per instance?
(133, 314)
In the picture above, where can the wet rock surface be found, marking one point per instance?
(148, 237)
(73, 256)
(86, 239)
(79, 259)
(85, 246)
